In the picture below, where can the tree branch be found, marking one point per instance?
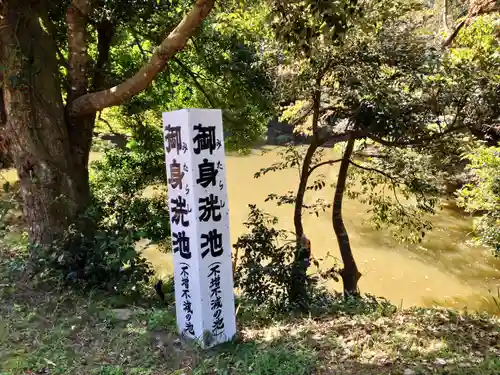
(447, 42)
(329, 162)
(76, 17)
(414, 142)
(386, 175)
(174, 42)
(316, 105)
(476, 8)
(100, 118)
(139, 45)
(153, 39)
(200, 87)
(372, 170)
(191, 74)
(342, 137)
(303, 116)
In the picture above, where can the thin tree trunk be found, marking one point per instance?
(302, 256)
(350, 274)
(299, 198)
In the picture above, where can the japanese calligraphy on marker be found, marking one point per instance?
(176, 175)
(211, 244)
(194, 154)
(173, 139)
(216, 300)
(209, 208)
(179, 211)
(181, 244)
(186, 303)
(207, 173)
(204, 139)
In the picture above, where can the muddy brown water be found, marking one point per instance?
(446, 269)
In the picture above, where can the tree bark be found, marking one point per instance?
(5, 157)
(350, 273)
(174, 42)
(445, 15)
(50, 143)
(302, 255)
(447, 42)
(53, 188)
(299, 197)
(476, 8)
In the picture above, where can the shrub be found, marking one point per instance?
(325, 302)
(104, 259)
(264, 276)
(264, 271)
(482, 195)
(99, 250)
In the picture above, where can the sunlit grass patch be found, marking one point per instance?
(64, 334)
(281, 358)
(55, 331)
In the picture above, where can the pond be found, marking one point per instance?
(446, 269)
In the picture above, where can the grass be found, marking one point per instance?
(49, 331)
(46, 330)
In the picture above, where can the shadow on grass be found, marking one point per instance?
(48, 331)
(64, 333)
(409, 342)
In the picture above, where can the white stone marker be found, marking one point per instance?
(199, 216)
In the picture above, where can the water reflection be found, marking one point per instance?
(445, 269)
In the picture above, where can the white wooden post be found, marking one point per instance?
(199, 216)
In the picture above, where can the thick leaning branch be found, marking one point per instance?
(174, 42)
(76, 17)
(415, 142)
(476, 8)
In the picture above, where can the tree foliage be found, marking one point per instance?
(265, 271)
(482, 195)
(99, 250)
(387, 84)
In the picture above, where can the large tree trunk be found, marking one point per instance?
(52, 171)
(49, 142)
(350, 274)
